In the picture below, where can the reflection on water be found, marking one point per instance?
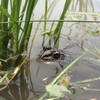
(30, 85)
(83, 6)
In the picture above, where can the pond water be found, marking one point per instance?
(30, 84)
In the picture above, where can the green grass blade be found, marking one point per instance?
(28, 34)
(85, 13)
(60, 24)
(17, 11)
(8, 15)
(23, 10)
(85, 81)
(30, 8)
(12, 26)
(51, 32)
(52, 25)
(16, 28)
(45, 18)
(45, 15)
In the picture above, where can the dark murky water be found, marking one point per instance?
(30, 85)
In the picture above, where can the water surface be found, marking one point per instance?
(30, 85)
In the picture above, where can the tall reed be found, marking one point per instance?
(45, 18)
(60, 24)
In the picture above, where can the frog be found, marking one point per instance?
(49, 54)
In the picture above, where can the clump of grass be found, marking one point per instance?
(14, 37)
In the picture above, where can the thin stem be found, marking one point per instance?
(16, 26)
(87, 21)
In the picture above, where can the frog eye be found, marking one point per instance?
(56, 55)
(46, 48)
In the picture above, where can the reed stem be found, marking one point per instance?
(60, 24)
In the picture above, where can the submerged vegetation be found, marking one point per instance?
(16, 23)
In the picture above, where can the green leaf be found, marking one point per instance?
(57, 90)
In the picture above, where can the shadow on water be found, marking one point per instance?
(31, 81)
